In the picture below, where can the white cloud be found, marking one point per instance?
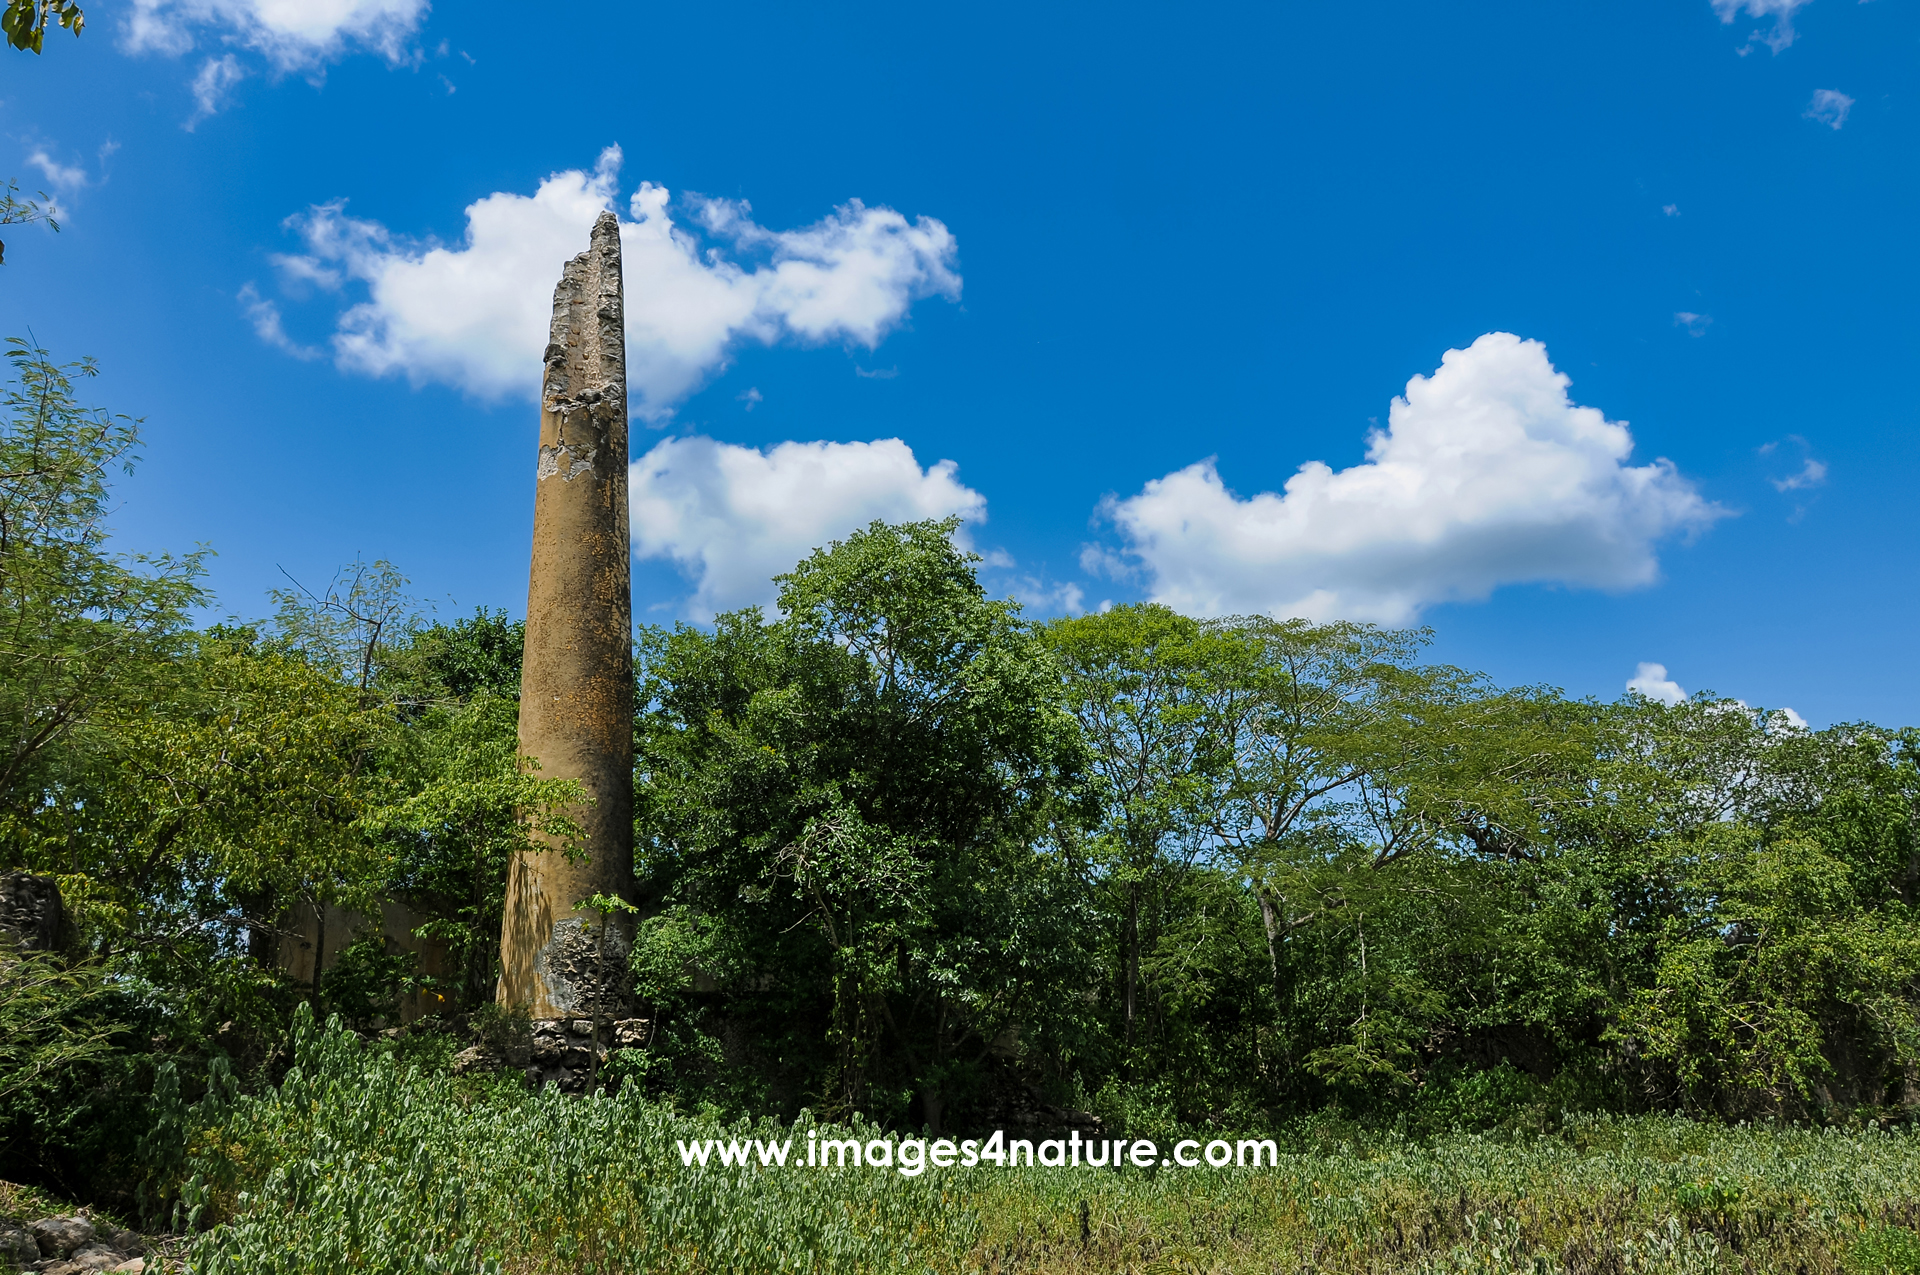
(294, 35)
(733, 517)
(1781, 11)
(297, 273)
(1035, 593)
(1047, 599)
(213, 86)
(1671, 210)
(1100, 560)
(1829, 107)
(62, 177)
(1651, 680)
(475, 316)
(265, 317)
(1812, 474)
(1487, 474)
(1695, 324)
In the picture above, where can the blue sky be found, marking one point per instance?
(1103, 279)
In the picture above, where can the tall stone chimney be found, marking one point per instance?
(558, 960)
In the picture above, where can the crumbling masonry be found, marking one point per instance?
(564, 963)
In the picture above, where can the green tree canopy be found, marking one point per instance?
(872, 776)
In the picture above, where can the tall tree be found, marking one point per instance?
(83, 631)
(860, 789)
(1310, 719)
(1138, 680)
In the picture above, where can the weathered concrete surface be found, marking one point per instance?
(309, 943)
(576, 688)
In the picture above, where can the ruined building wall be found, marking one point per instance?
(310, 943)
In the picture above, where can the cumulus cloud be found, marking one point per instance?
(1695, 324)
(1829, 107)
(293, 35)
(1781, 11)
(475, 315)
(1651, 680)
(730, 518)
(1487, 474)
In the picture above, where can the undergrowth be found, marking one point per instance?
(362, 1162)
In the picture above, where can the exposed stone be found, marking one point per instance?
(97, 1257)
(29, 910)
(60, 1236)
(73, 1246)
(632, 1033)
(568, 1053)
(474, 1058)
(559, 960)
(17, 1246)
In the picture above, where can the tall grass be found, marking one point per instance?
(1603, 1196)
(358, 1163)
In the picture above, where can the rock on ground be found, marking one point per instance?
(17, 1245)
(71, 1246)
(60, 1236)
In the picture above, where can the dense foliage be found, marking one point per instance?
(909, 857)
(1225, 869)
(844, 813)
(188, 788)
